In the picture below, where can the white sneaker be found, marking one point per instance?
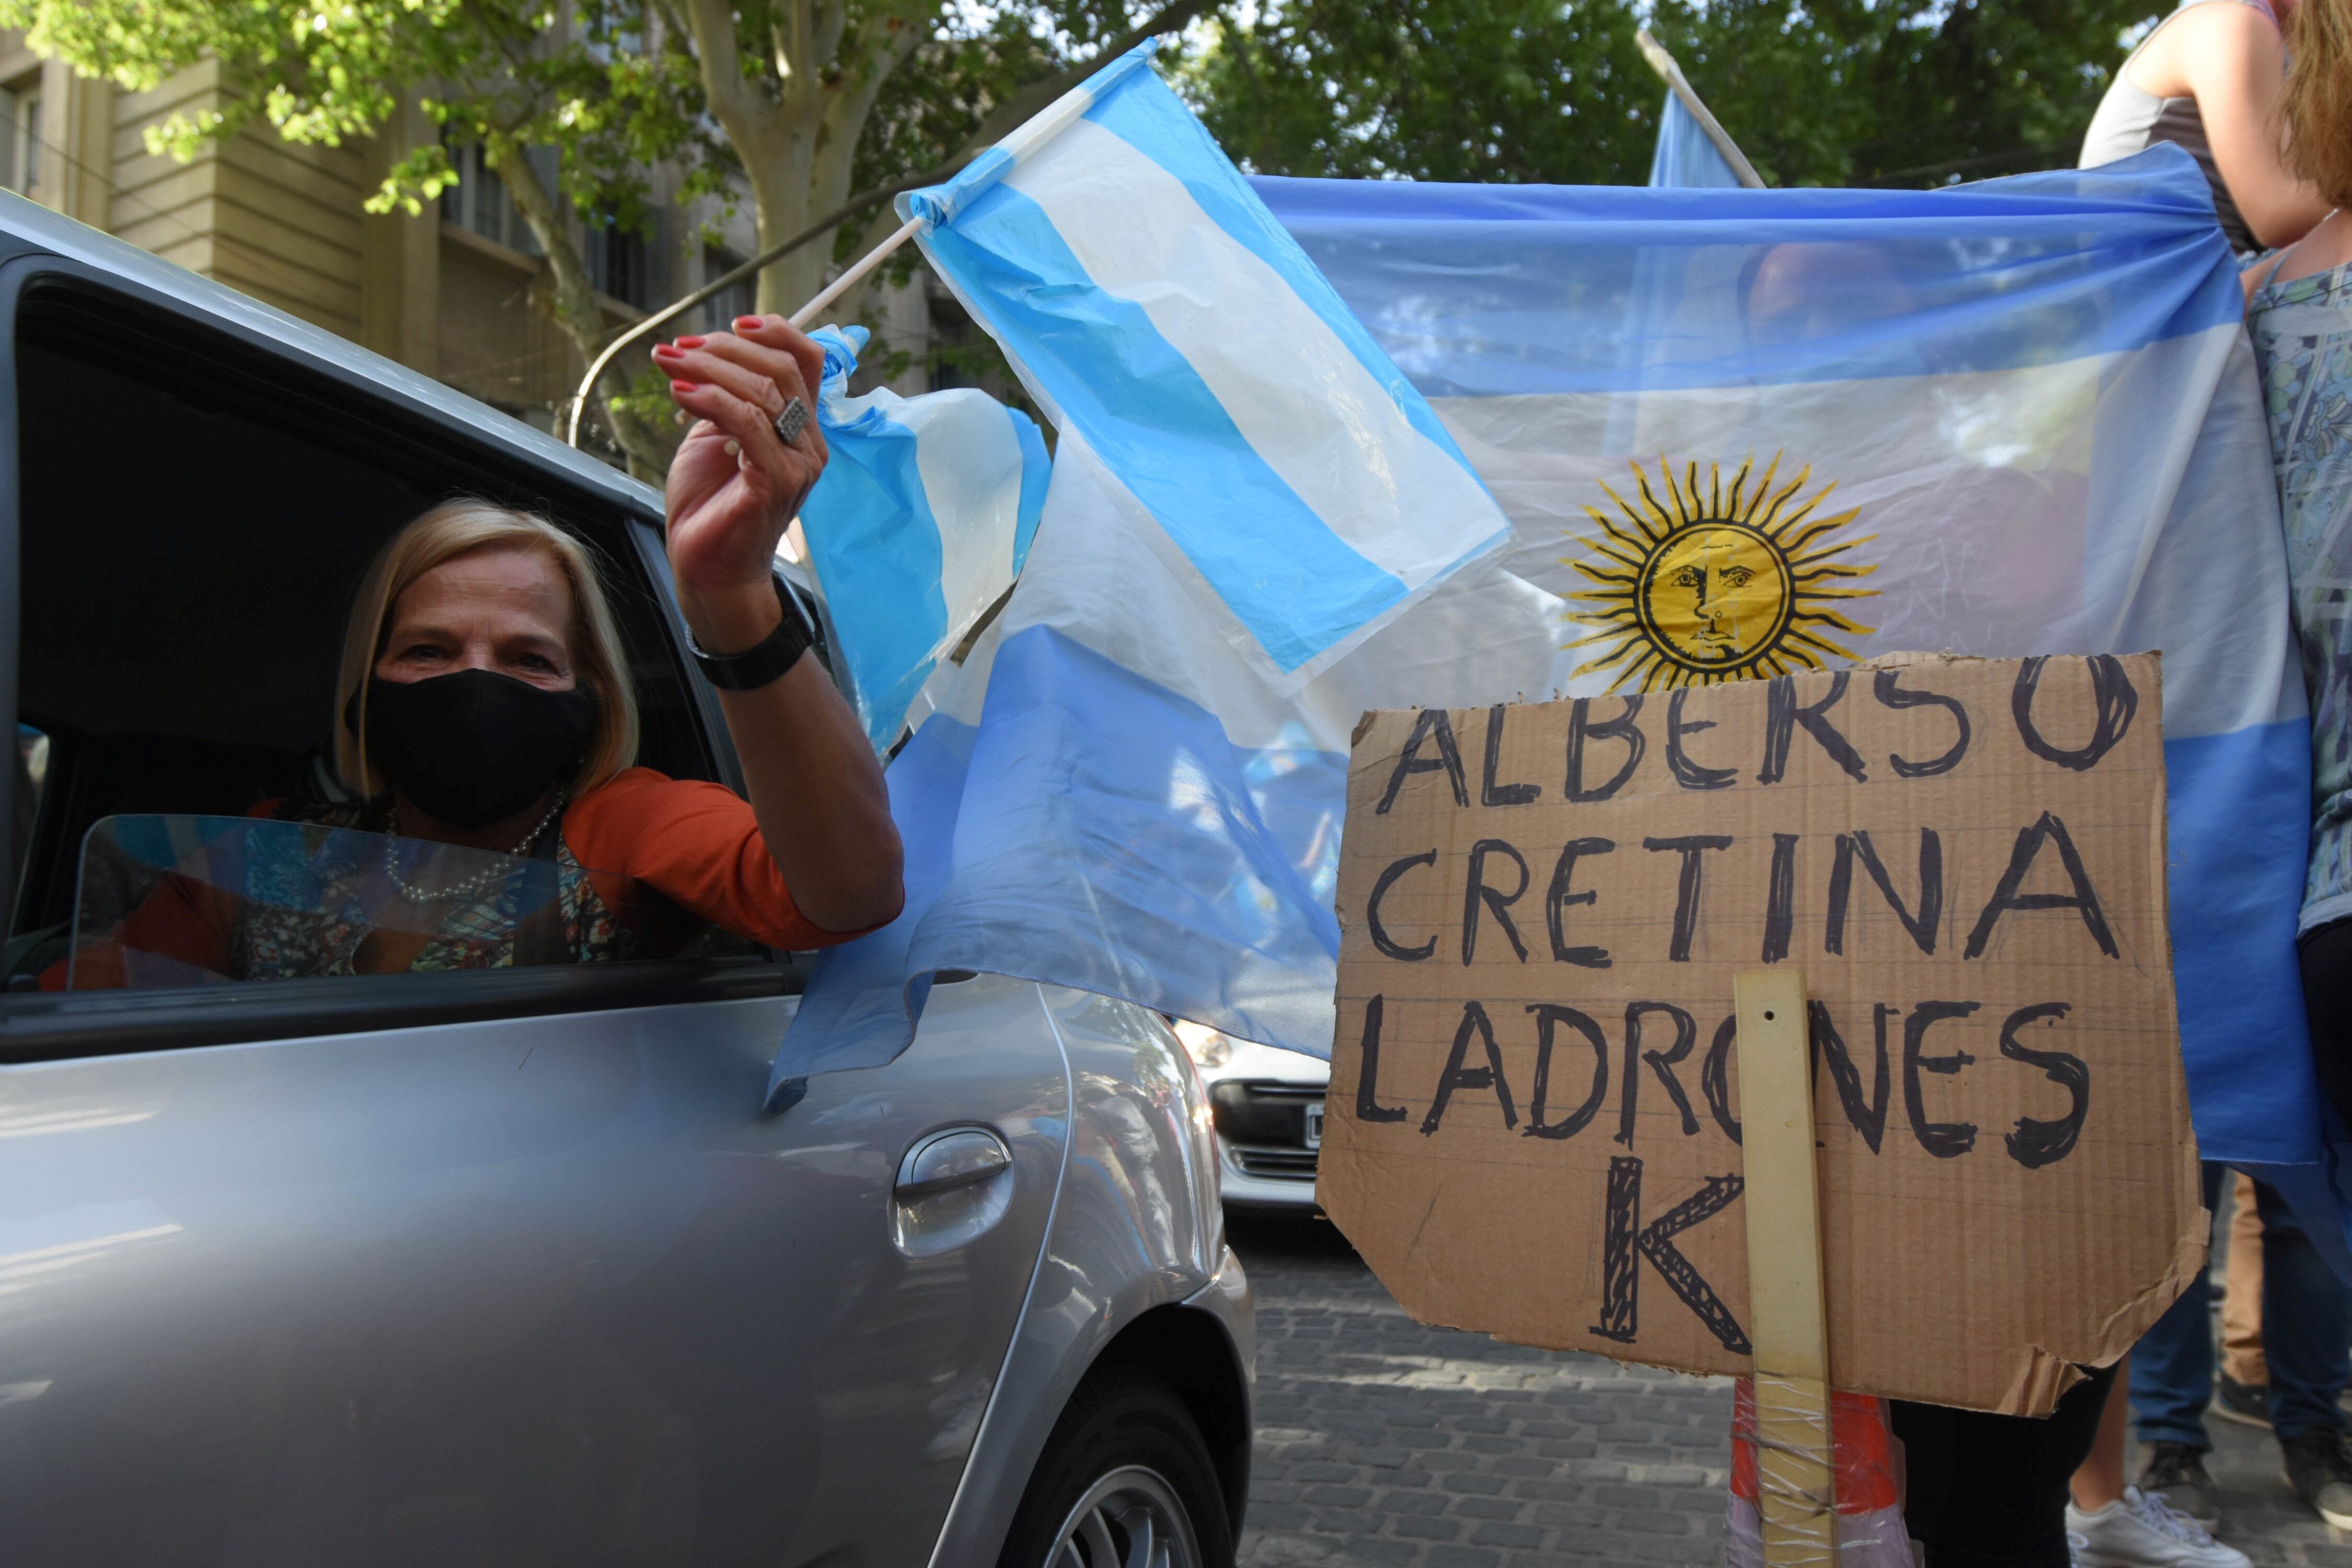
(2140, 1532)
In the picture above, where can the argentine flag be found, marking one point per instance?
(1154, 308)
(2011, 418)
(921, 521)
(1687, 156)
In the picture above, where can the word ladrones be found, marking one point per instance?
(1544, 906)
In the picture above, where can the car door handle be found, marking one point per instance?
(946, 1161)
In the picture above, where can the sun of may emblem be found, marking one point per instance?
(1716, 584)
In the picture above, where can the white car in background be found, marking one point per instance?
(1267, 1104)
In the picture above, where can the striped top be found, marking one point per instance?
(2130, 121)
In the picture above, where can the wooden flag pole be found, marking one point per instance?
(856, 273)
(1665, 66)
(1788, 1323)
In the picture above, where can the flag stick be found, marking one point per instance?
(1664, 64)
(856, 273)
(1788, 1320)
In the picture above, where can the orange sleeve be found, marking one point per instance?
(697, 843)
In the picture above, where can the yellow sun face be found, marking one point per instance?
(1714, 584)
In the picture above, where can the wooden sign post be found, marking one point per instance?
(1820, 1027)
(1795, 1459)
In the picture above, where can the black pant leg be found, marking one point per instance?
(2327, 955)
(1999, 1500)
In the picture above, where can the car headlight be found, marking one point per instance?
(1208, 1048)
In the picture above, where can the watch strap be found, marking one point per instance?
(765, 661)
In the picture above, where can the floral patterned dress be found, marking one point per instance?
(2301, 331)
(307, 914)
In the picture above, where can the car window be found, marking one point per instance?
(168, 902)
(32, 780)
(179, 629)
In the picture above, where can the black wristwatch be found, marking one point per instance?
(766, 660)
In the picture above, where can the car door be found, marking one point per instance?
(498, 1267)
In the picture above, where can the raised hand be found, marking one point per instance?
(735, 484)
(814, 779)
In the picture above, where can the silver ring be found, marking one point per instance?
(791, 421)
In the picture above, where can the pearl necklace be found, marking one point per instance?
(471, 885)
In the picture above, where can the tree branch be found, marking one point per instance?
(1006, 116)
(712, 25)
(799, 62)
(828, 32)
(676, 19)
(845, 116)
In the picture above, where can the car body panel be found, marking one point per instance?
(1137, 1227)
(500, 1293)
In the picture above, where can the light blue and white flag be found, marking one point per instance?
(921, 521)
(1153, 307)
(1687, 156)
(2034, 396)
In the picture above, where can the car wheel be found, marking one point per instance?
(1126, 1481)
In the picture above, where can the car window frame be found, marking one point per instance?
(49, 1025)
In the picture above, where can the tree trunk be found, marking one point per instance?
(798, 141)
(783, 203)
(580, 313)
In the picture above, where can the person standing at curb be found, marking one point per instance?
(2212, 79)
(2299, 314)
(2242, 1392)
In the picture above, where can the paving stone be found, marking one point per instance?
(1385, 1442)
(1462, 1557)
(1499, 1534)
(1375, 1432)
(1488, 1507)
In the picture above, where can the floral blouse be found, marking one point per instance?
(641, 867)
(2301, 331)
(305, 916)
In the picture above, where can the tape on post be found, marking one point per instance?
(1788, 1321)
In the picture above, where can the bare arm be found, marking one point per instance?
(816, 784)
(2231, 61)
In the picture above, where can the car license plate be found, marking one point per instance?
(1315, 1125)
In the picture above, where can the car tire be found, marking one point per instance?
(1125, 1458)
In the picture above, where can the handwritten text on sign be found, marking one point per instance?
(1534, 1126)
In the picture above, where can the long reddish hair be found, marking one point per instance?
(2317, 104)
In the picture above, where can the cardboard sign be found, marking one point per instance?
(1533, 1122)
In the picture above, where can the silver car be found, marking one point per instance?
(504, 1267)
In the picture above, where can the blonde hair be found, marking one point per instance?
(461, 527)
(2317, 103)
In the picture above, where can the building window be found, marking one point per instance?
(479, 202)
(619, 263)
(20, 136)
(739, 298)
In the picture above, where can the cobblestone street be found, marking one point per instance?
(1381, 1441)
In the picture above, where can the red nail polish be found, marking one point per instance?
(683, 387)
(745, 323)
(689, 342)
(665, 348)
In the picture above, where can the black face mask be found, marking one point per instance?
(475, 746)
